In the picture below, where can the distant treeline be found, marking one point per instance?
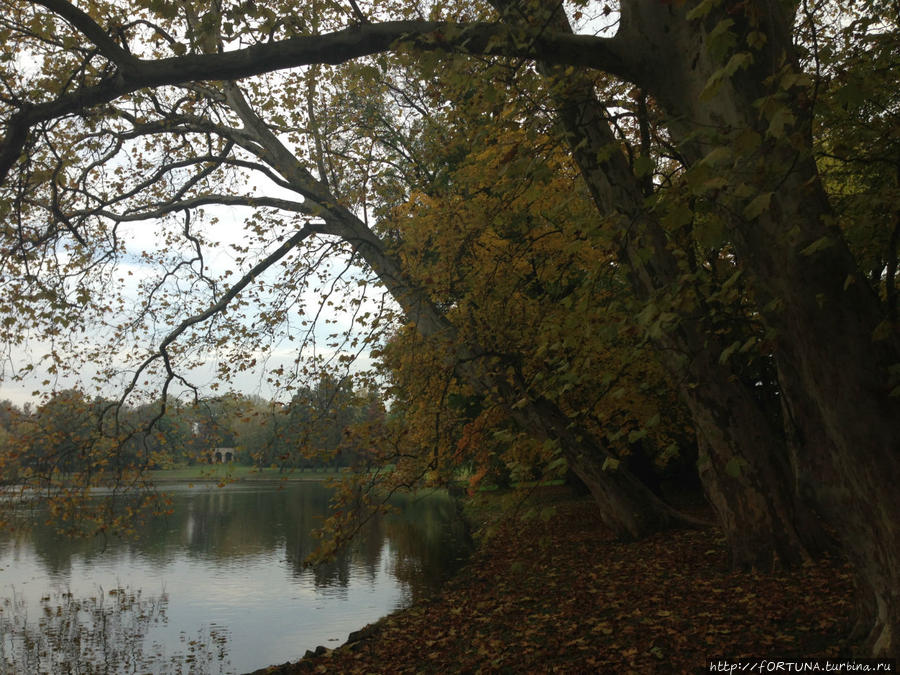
(71, 432)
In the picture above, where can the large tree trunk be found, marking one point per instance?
(744, 462)
(747, 474)
(834, 365)
(836, 385)
(627, 507)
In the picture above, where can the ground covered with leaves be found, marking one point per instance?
(554, 593)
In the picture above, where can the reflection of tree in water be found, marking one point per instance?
(426, 536)
(430, 541)
(422, 543)
(362, 557)
(103, 633)
(359, 559)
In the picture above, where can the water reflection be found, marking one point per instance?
(219, 585)
(72, 633)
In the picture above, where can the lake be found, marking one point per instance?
(217, 587)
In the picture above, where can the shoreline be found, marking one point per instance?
(551, 591)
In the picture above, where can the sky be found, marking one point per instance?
(281, 353)
(228, 230)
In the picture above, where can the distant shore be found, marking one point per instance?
(228, 473)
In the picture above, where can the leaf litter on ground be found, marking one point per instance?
(556, 594)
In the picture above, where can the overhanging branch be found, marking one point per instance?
(91, 30)
(203, 200)
(486, 39)
(216, 308)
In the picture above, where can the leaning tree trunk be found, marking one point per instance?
(627, 507)
(835, 350)
(746, 471)
(743, 458)
(836, 384)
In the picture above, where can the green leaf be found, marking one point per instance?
(678, 215)
(851, 95)
(557, 464)
(610, 464)
(719, 156)
(758, 205)
(646, 315)
(729, 350)
(637, 435)
(643, 165)
(715, 183)
(746, 141)
(734, 466)
(732, 280)
(702, 9)
(882, 331)
(720, 39)
(711, 232)
(795, 79)
(781, 118)
(818, 245)
(756, 39)
(738, 61)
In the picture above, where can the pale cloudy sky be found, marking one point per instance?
(282, 354)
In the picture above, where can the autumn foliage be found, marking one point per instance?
(643, 241)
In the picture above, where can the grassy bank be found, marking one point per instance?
(230, 472)
(550, 591)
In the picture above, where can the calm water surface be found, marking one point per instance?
(217, 587)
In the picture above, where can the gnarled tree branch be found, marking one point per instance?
(487, 39)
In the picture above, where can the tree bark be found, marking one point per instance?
(743, 457)
(747, 474)
(833, 363)
(627, 506)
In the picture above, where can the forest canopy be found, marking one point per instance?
(551, 236)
